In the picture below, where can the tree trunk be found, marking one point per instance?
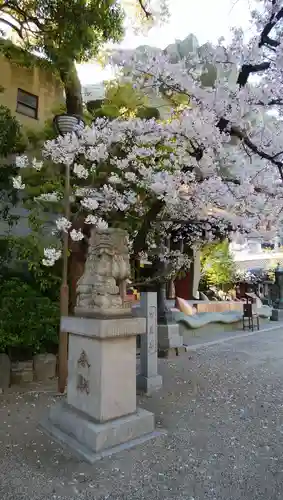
(161, 303)
(73, 89)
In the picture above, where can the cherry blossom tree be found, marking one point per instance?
(121, 169)
(235, 124)
(215, 167)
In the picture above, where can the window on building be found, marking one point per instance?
(27, 104)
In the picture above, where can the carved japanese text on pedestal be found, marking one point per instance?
(152, 329)
(83, 373)
(106, 267)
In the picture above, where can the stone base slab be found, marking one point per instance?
(103, 328)
(91, 440)
(277, 315)
(169, 337)
(149, 384)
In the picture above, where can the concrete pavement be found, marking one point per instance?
(222, 407)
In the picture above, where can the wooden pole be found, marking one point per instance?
(64, 294)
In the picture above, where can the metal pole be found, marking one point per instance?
(64, 293)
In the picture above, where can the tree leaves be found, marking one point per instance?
(218, 266)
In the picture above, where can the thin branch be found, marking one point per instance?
(146, 12)
(236, 132)
(248, 69)
(139, 243)
(13, 10)
(11, 25)
(272, 102)
(277, 155)
(265, 39)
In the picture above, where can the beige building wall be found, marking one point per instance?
(36, 81)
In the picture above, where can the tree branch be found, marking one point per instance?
(236, 132)
(264, 38)
(139, 243)
(13, 10)
(248, 69)
(272, 102)
(11, 25)
(146, 12)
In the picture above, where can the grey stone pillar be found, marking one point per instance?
(148, 380)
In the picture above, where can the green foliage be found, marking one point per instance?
(63, 31)
(29, 305)
(122, 100)
(11, 136)
(19, 56)
(217, 265)
(28, 320)
(11, 141)
(124, 96)
(22, 256)
(95, 105)
(8, 196)
(147, 113)
(29, 296)
(109, 111)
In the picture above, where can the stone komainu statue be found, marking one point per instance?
(107, 264)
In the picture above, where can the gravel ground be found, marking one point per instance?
(222, 407)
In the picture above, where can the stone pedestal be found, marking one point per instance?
(277, 315)
(100, 415)
(148, 380)
(170, 342)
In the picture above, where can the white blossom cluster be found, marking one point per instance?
(50, 256)
(18, 183)
(52, 197)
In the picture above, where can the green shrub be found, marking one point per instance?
(28, 320)
(217, 265)
(11, 136)
(21, 256)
